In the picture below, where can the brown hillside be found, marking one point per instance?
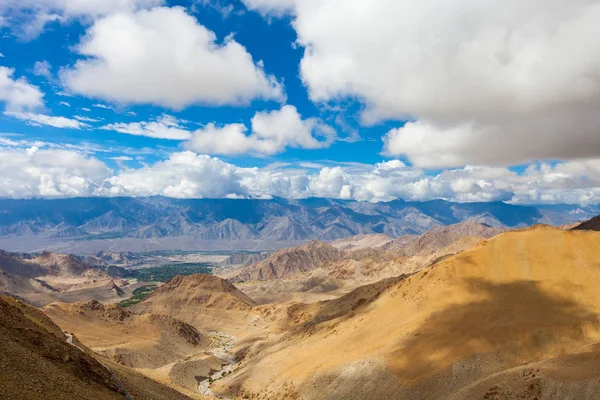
(38, 363)
(208, 290)
(14, 265)
(205, 301)
(439, 237)
(289, 262)
(60, 264)
(357, 268)
(358, 242)
(515, 317)
(138, 341)
(589, 225)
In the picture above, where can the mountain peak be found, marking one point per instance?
(293, 261)
(205, 290)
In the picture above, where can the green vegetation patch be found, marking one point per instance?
(169, 271)
(138, 295)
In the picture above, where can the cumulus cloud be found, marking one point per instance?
(187, 174)
(165, 57)
(49, 173)
(473, 76)
(165, 127)
(42, 119)
(184, 174)
(272, 132)
(26, 171)
(18, 94)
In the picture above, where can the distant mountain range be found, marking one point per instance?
(248, 219)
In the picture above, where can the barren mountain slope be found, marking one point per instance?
(357, 268)
(49, 277)
(60, 264)
(112, 257)
(38, 363)
(204, 301)
(400, 243)
(243, 259)
(590, 225)
(15, 265)
(514, 317)
(138, 341)
(34, 291)
(362, 241)
(439, 237)
(288, 262)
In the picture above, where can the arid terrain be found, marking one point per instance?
(463, 311)
(300, 199)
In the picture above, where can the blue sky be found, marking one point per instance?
(364, 100)
(271, 41)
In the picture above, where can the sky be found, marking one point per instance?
(464, 100)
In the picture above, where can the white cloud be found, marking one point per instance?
(164, 57)
(28, 18)
(272, 132)
(29, 171)
(103, 106)
(41, 119)
(49, 173)
(18, 94)
(329, 182)
(183, 175)
(272, 7)
(165, 127)
(223, 7)
(485, 81)
(43, 68)
(87, 119)
(85, 109)
(64, 103)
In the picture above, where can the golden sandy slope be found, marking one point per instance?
(320, 271)
(515, 317)
(335, 278)
(150, 339)
(138, 341)
(156, 345)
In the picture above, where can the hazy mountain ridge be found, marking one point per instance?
(248, 219)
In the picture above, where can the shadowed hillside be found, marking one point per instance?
(37, 362)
